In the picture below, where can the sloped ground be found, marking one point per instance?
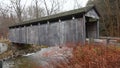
(8, 52)
(74, 56)
(87, 56)
(17, 50)
(42, 58)
(46, 56)
(93, 56)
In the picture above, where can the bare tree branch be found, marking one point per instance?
(17, 6)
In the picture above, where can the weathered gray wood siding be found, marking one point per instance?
(73, 30)
(10, 34)
(65, 32)
(22, 37)
(42, 34)
(92, 13)
(14, 35)
(92, 28)
(17, 34)
(55, 33)
(31, 35)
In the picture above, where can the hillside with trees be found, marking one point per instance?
(109, 11)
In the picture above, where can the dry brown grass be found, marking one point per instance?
(6, 54)
(118, 40)
(5, 41)
(92, 56)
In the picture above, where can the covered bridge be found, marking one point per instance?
(72, 26)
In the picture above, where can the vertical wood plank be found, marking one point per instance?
(98, 29)
(84, 29)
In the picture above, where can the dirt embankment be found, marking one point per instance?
(15, 50)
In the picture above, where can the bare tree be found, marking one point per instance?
(46, 7)
(117, 17)
(36, 9)
(18, 8)
(54, 6)
(76, 4)
(110, 16)
(4, 21)
(30, 12)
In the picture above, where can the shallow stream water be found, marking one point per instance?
(19, 62)
(25, 61)
(38, 59)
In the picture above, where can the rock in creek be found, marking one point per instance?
(3, 47)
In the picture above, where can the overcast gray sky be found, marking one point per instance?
(67, 6)
(70, 4)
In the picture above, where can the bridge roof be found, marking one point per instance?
(55, 17)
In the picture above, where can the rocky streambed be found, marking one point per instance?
(40, 58)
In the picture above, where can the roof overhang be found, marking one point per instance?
(77, 13)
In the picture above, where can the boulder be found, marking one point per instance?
(3, 47)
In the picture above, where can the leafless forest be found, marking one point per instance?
(110, 16)
(17, 11)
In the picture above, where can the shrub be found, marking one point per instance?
(93, 56)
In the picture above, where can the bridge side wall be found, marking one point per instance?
(55, 33)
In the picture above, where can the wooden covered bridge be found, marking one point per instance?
(71, 26)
